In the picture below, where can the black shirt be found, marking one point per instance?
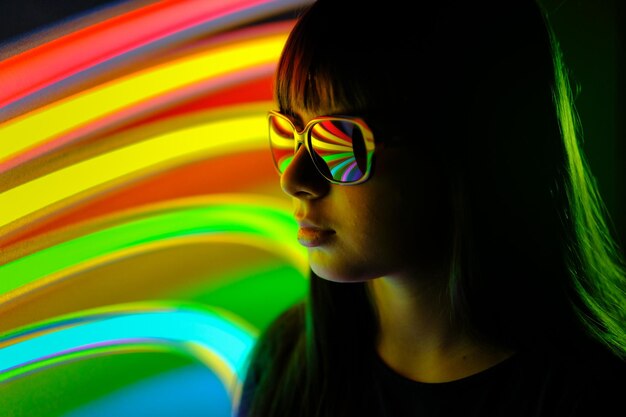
(585, 380)
(527, 385)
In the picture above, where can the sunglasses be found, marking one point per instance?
(341, 147)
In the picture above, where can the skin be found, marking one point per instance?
(393, 232)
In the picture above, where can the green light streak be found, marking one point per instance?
(183, 327)
(269, 224)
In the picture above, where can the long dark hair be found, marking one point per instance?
(483, 87)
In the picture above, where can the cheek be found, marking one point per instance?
(368, 244)
(382, 228)
(407, 220)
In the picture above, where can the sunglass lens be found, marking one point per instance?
(281, 142)
(339, 148)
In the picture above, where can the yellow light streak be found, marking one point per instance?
(44, 124)
(218, 137)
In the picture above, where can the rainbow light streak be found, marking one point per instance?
(191, 393)
(90, 46)
(218, 137)
(152, 121)
(141, 109)
(22, 133)
(346, 175)
(269, 225)
(215, 336)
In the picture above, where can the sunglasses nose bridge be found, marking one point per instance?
(298, 139)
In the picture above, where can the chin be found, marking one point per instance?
(340, 274)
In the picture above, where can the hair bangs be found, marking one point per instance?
(315, 88)
(315, 75)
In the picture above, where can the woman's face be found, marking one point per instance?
(394, 223)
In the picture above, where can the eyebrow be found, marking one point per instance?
(296, 120)
(299, 124)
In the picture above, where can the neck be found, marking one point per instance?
(416, 336)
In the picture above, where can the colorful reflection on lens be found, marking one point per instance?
(334, 141)
(338, 147)
(281, 133)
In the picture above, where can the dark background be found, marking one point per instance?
(592, 38)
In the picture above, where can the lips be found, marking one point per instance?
(313, 236)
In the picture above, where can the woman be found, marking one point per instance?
(461, 263)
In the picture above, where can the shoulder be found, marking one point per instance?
(271, 354)
(597, 378)
(290, 320)
(276, 342)
(607, 382)
(283, 332)
(579, 380)
(280, 335)
(598, 365)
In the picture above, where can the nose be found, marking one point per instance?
(301, 179)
